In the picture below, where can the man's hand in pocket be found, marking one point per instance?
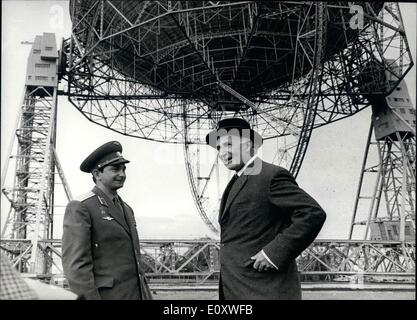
(261, 263)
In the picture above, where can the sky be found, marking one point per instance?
(157, 186)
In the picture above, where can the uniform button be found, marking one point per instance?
(96, 245)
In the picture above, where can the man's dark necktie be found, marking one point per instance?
(229, 186)
(117, 203)
(119, 206)
(226, 195)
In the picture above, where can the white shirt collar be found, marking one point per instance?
(239, 173)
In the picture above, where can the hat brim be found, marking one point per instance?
(211, 137)
(112, 163)
(109, 152)
(120, 161)
(115, 162)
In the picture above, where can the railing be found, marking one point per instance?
(181, 261)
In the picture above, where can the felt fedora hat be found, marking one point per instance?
(233, 126)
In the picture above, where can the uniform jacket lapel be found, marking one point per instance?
(130, 219)
(112, 210)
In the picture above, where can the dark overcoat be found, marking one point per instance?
(265, 209)
(100, 250)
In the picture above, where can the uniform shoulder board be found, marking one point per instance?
(85, 196)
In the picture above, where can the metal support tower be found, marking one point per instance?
(389, 163)
(29, 185)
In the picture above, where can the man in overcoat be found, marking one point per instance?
(100, 244)
(266, 220)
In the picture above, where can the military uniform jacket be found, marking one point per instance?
(100, 250)
(265, 211)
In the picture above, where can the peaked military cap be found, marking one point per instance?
(108, 153)
(224, 126)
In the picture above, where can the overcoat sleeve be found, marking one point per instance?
(305, 216)
(77, 258)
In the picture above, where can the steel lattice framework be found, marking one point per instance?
(196, 262)
(29, 194)
(324, 261)
(28, 182)
(169, 70)
(132, 64)
(394, 186)
(390, 211)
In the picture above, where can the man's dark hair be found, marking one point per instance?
(100, 169)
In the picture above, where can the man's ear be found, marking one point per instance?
(95, 173)
(250, 147)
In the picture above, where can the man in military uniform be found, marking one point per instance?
(100, 244)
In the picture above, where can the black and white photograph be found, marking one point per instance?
(224, 151)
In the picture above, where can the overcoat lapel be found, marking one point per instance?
(112, 210)
(224, 198)
(239, 184)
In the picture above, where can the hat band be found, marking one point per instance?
(243, 132)
(228, 127)
(105, 163)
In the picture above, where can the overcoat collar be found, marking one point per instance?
(112, 209)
